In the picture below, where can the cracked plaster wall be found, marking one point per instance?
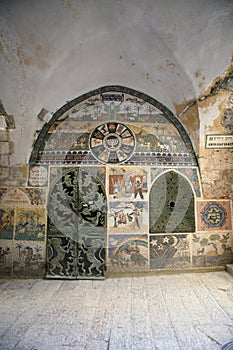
(53, 53)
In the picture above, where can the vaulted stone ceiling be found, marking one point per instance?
(52, 51)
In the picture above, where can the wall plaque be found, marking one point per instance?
(219, 141)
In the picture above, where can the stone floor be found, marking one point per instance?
(188, 311)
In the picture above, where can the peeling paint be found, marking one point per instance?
(24, 59)
(190, 119)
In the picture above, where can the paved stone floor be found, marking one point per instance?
(188, 311)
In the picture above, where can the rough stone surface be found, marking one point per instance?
(178, 312)
(229, 268)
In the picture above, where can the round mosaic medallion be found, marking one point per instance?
(112, 142)
(213, 215)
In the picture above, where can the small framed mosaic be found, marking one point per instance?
(212, 249)
(213, 215)
(128, 217)
(30, 224)
(128, 253)
(38, 176)
(170, 251)
(29, 259)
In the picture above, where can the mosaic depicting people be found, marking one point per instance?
(128, 183)
(128, 217)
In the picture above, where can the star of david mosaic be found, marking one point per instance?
(213, 215)
(112, 142)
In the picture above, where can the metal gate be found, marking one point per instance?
(76, 223)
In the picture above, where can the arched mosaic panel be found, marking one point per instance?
(114, 125)
(171, 204)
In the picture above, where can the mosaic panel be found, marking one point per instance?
(213, 215)
(77, 229)
(212, 249)
(79, 198)
(71, 259)
(128, 217)
(170, 252)
(112, 142)
(30, 224)
(128, 183)
(5, 258)
(128, 253)
(7, 216)
(29, 259)
(56, 172)
(136, 130)
(171, 204)
(38, 176)
(22, 196)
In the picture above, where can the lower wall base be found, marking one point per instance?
(165, 272)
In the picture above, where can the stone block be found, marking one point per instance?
(4, 147)
(4, 172)
(4, 135)
(4, 160)
(229, 268)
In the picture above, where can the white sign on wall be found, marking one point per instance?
(219, 141)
